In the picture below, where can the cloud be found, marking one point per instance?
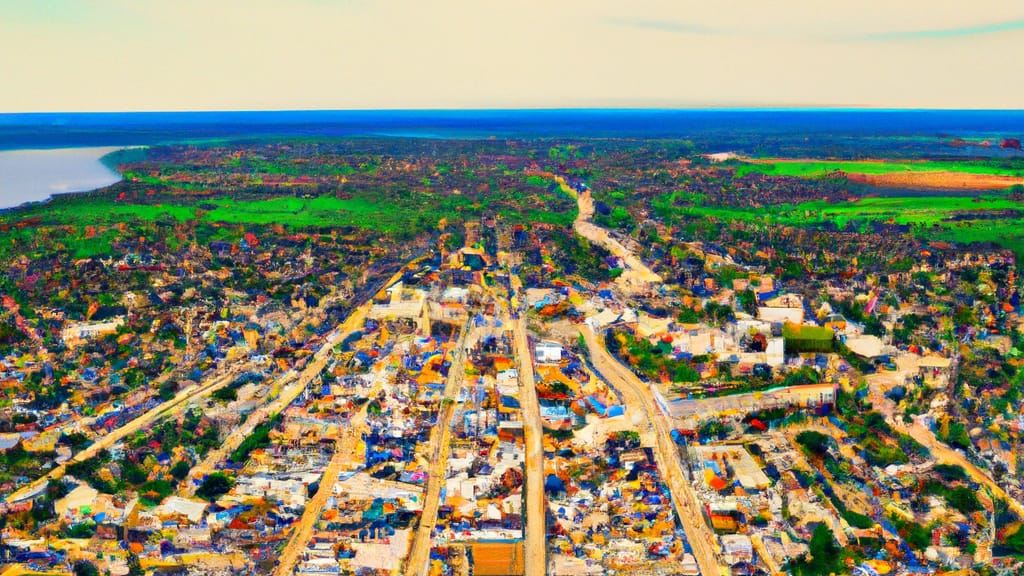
(940, 33)
(668, 26)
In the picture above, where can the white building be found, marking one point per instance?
(548, 352)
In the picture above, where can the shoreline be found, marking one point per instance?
(35, 176)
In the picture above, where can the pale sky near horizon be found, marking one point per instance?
(128, 55)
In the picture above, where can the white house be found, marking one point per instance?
(548, 352)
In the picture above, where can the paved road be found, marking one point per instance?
(440, 440)
(639, 399)
(210, 385)
(536, 515)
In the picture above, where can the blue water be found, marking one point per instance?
(745, 129)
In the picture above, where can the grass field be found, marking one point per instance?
(814, 168)
(991, 218)
(318, 212)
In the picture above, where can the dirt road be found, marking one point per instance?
(211, 384)
(291, 387)
(639, 399)
(418, 563)
(636, 275)
(939, 449)
(536, 515)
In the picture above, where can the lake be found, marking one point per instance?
(35, 175)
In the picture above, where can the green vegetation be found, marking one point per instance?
(961, 498)
(824, 557)
(651, 360)
(985, 218)
(214, 486)
(814, 168)
(815, 442)
(259, 438)
(857, 520)
(225, 395)
(371, 213)
(917, 536)
(85, 568)
(950, 472)
(801, 339)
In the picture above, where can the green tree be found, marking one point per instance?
(215, 485)
(85, 568)
(816, 442)
(823, 558)
(180, 470)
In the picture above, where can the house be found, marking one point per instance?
(548, 352)
(737, 548)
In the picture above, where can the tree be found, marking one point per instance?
(748, 301)
(85, 568)
(823, 558)
(816, 442)
(180, 470)
(215, 485)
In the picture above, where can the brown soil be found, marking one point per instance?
(944, 180)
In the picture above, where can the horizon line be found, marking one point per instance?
(695, 108)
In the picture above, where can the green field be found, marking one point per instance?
(993, 218)
(319, 212)
(814, 168)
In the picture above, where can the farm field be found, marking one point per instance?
(953, 218)
(921, 174)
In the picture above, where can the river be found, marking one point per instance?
(36, 175)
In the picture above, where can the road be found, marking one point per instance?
(939, 449)
(212, 383)
(944, 454)
(639, 399)
(315, 506)
(291, 387)
(346, 448)
(440, 440)
(636, 275)
(536, 515)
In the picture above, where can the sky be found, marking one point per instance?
(155, 55)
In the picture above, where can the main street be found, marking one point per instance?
(639, 399)
(536, 514)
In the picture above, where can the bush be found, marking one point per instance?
(180, 470)
(81, 530)
(215, 485)
(225, 395)
(816, 442)
(824, 555)
(85, 568)
(950, 472)
(857, 520)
